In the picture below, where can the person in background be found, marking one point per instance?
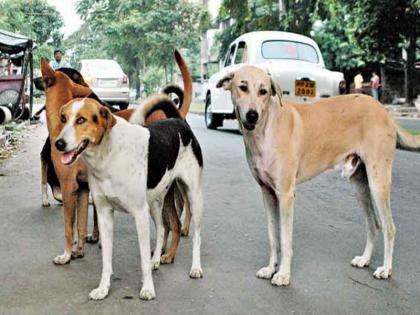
(375, 84)
(58, 61)
(358, 82)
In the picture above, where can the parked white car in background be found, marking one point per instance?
(107, 80)
(294, 61)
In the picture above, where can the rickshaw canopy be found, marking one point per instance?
(12, 43)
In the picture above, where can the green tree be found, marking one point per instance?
(383, 28)
(143, 34)
(35, 19)
(264, 15)
(334, 33)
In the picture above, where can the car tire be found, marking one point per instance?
(211, 119)
(123, 106)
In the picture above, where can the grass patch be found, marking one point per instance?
(414, 132)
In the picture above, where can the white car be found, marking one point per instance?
(294, 61)
(107, 80)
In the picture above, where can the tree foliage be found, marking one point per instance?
(264, 15)
(142, 34)
(350, 33)
(36, 19)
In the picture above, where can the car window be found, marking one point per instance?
(283, 49)
(103, 68)
(241, 53)
(230, 55)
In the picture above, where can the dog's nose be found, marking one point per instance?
(252, 116)
(60, 144)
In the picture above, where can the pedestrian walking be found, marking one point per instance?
(358, 82)
(375, 83)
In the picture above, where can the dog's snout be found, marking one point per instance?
(252, 116)
(60, 144)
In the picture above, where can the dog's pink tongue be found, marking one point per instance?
(67, 157)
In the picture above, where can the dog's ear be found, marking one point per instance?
(38, 84)
(276, 90)
(79, 90)
(226, 81)
(48, 73)
(108, 120)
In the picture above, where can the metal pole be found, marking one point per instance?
(31, 79)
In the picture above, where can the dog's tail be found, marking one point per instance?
(175, 89)
(163, 102)
(406, 141)
(187, 79)
(153, 104)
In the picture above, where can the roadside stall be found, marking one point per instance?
(16, 76)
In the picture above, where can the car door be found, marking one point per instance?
(221, 99)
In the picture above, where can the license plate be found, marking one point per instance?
(305, 88)
(107, 83)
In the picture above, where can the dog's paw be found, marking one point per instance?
(155, 264)
(281, 279)
(98, 293)
(167, 259)
(196, 273)
(185, 230)
(265, 273)
(77, 254)
(382, 272)
(62, 259)
(92, 238)
(147, 294)
(45, 203)
(360, 262)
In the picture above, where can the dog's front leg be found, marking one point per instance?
(82, 217)
(272, 212)
(106, 228)
(142, 218)
(282, 277)
(69, 204)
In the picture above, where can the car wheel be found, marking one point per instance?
(212, 120)
(123, 106)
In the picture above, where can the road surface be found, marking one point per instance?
(329, 232)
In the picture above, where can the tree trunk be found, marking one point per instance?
(385, 95)
(410, 71)
(166, 74)
(137, 79)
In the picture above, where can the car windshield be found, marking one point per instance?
(104, 68)
(282, 49)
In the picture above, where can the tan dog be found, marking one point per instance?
(287, 144)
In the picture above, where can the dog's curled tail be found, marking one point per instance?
(153, 104)
(187, 79)
(406, 141)
(177, 90)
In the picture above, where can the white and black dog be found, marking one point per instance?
(130, 169)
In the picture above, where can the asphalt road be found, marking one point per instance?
(329, 232)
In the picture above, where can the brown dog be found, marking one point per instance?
(287, 144)
(59, 90)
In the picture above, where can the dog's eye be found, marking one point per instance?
(63, 119)
(80, 120)
(243, 88)
(263, 92)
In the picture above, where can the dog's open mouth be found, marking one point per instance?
(248, 126)
(71, 156)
